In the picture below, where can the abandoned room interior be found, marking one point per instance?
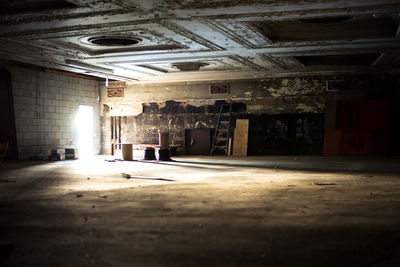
(199, 133)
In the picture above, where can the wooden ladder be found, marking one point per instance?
(222, 130)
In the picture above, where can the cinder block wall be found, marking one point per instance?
(46, 105)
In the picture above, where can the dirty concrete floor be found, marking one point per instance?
(207, 212)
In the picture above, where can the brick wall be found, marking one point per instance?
(45, 107)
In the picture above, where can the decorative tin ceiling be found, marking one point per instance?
(148, 41)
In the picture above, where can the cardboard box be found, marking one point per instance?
(56, 154)
(71, 153)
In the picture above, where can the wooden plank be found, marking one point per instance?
(229, 147)
(240, 138)
(242, 125)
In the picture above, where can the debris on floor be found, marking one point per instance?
(125, 175)
(323, 183)
(128, 176)
(79, 195)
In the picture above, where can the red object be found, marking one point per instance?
(360, 128)
(355, 143)
(332, 142)
(361, 114)
(372, 115)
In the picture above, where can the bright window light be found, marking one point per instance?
(85, 131)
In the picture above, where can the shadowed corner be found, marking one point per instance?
(5, 250)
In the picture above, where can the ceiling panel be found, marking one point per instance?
(338, 60)
(18, 6)
(371, 26)
(143, 41)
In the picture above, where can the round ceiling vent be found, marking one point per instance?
(113, 40)
(327, 20)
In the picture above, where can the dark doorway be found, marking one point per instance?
(393, 129)
(197, 141)
(7, 121)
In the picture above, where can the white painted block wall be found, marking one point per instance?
(46, 105)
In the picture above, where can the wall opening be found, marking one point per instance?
(8, 136)
(85, 131)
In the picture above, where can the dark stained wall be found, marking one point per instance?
(286, 114)
(8, 137)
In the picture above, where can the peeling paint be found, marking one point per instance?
(124, 109)
(305, 108)
(281, 126)
(286, 114)
(248, 94)
(178, 107)
(199, 103)
(255, 107)
(268, 134)
(294, 87)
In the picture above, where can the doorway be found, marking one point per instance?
(8, 136)
(85, 131)
(197, 141)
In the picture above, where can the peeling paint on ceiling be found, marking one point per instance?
(156, 41)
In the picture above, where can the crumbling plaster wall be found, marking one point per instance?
(260, 96)
(45, 106)
(286, 114)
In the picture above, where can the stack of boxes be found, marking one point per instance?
(56, 154)
(62, 154)
(71, 153)
(356, 128)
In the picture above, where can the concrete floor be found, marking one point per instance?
(270, 211)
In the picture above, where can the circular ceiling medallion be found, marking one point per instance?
(111, 40)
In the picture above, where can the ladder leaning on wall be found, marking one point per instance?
(222, 130)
